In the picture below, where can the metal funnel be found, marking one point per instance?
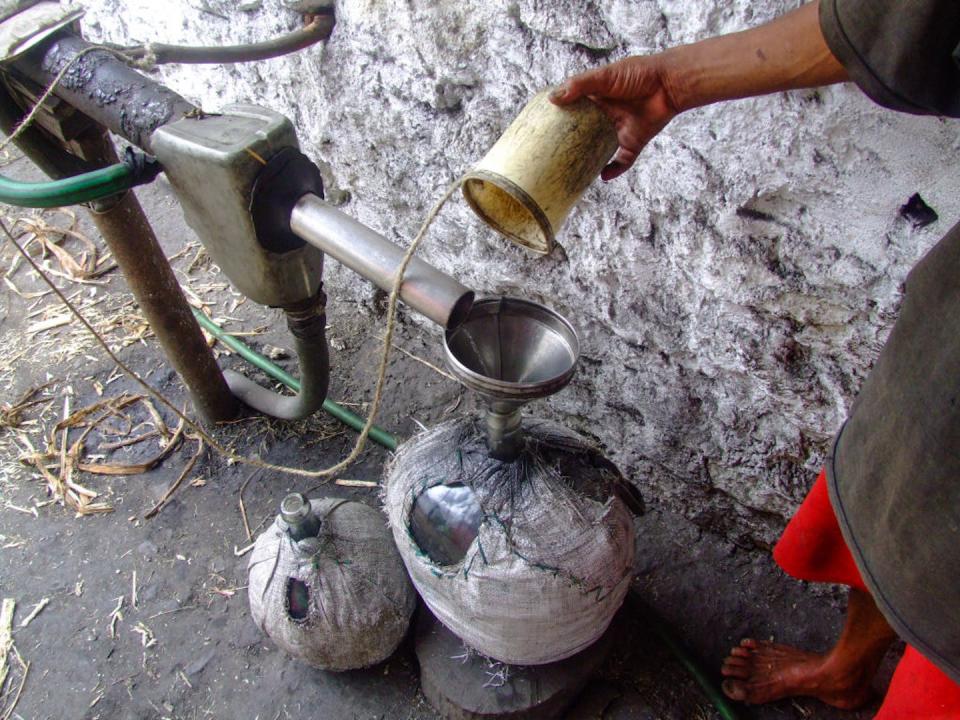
(511, 351)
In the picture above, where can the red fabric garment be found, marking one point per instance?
(812, 548)
(919, 689)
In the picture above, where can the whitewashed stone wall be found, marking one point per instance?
(732, 290)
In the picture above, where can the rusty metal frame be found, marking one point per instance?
(130, 237)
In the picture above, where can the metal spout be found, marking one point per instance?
(504, 425)
(511, 352)
(295, 510)
(427, 290)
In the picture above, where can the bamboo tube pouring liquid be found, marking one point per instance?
(527, 183)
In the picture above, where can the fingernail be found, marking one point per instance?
(558, 92)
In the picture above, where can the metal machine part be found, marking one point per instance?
(511, 351)
(444, 522)
(26, 23)
(301, 521)
(105, 89)
(213, 162)
(287, 177)
(231, 173)
(427, 290)
(307, 324)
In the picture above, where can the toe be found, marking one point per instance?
(734, 690)
(737, 661)
(735, 670)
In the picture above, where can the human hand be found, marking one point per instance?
(635, 96)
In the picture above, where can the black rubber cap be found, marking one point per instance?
(143, 168)
(287, 177)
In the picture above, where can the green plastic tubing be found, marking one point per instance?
(377, 434)
(68, 191)
(668, 636)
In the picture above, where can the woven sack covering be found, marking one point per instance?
(552, 558)
(338, 601)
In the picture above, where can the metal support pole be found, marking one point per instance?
(139, 256)
(128, 234)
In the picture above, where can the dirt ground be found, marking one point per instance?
(148, 618)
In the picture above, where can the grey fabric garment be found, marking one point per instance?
(904, 54)
(894, 477)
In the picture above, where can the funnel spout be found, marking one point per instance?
(504, 431)
(427, 290)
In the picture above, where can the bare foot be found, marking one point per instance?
(760, 672)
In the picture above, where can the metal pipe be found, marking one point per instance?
(348, 418)
(308, 327)
(160, 53)
(134, 245)
(427, 290)
(104, 88)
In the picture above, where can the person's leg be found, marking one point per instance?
(759, 671)
(812, 548)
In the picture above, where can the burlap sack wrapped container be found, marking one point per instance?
(339, 601)
(552, 559)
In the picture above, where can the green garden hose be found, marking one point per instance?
(68, 191)
(377, 434)
(136, 169)
(668, 636)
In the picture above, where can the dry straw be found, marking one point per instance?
(226, 452)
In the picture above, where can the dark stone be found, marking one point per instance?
(249, 635)
(196, 667)
(472, 687)
(149, 592)
(917, 212)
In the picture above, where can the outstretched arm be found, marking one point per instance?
(642, 94)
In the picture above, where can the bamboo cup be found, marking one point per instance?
(536, 172)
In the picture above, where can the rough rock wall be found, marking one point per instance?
(731, 291)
